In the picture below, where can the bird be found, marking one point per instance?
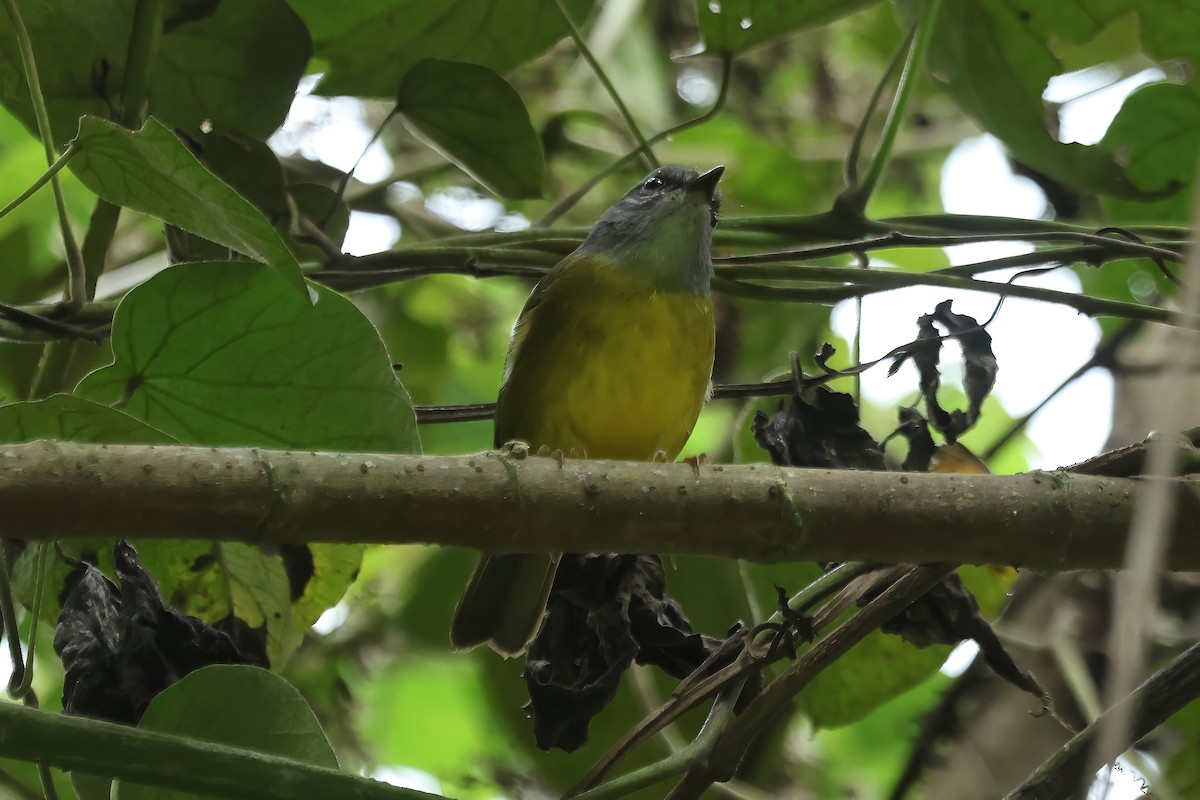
(610, 358)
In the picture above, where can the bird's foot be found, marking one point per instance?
(557, 454)
(697, 461)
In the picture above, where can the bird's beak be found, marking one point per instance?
(707, 183)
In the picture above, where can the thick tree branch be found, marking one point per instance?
(500, 502)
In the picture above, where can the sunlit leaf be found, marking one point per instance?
(153, 172)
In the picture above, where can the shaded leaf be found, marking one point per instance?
(91, 787)
(234, 65)
(153, 172)
(256, 593)
(1183, 767)
(994, 58)
(1156, 136)
(238, 706)
(370, 44)
(206, 52)
(248, 166)
(733, 25)
(477, 120)
(65, 418)
(321, 206)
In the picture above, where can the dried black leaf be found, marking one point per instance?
(979, 372)
(604, 612)
(122, 646)
(818, 429)
(914, 429)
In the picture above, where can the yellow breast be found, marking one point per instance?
(604, 364)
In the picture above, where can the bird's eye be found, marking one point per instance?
(653, 184)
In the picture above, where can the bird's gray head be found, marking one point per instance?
(662, 228)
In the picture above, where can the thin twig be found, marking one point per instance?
(47, 324)
(21, 690)
(568, 202)
(344, 181)
(76, 291)
(8, 615)
(643, 147)
(868, 282)
(51, 171)
(703, 682)
(895, 239)
(777, 696)
(469, 412)
(857, 197)
(144, 37)
(677, 762)
(850, 171)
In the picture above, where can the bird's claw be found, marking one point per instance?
(697, 461)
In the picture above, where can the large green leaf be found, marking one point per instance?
(995, 58)
(234, 65)
(65, 418)
(477, 120)
(370, 44)
(732, 25)
(153, 172)
(203, 60)
(228, 354)
(238, 706)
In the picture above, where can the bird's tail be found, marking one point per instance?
(503, 603)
